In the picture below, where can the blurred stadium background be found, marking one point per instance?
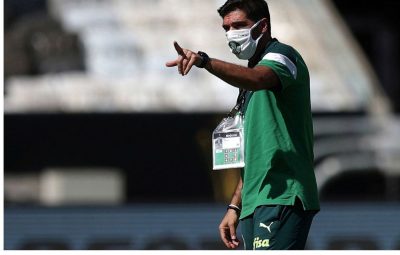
(105, 148)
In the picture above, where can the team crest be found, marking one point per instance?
(235, 47)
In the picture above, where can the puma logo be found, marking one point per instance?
(262, 225)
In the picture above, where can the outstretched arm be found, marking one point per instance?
(257, 78)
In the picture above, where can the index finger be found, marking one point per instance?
(224, 232)
(179, 49)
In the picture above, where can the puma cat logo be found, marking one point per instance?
(262, 225)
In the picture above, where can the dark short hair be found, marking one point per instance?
(255, 9)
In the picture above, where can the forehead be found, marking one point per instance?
(235, 16)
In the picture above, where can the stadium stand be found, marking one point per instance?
(127, 42)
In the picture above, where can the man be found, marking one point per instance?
(276, 197)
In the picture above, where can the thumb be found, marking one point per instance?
(171, 63)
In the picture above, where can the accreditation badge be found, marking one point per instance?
(228, 143)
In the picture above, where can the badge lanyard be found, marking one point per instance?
(228, 138)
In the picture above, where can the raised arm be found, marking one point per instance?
(257, 78)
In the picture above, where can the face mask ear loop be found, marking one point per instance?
(253, 27)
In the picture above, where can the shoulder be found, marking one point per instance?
(278, 50)
(284, 59)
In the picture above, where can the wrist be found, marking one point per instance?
(205, 59)
(236, 208)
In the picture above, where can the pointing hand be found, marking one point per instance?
(186, 59)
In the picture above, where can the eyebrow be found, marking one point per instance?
(240, 23)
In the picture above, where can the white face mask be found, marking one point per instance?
(241, 42)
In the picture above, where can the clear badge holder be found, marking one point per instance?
(228, 143)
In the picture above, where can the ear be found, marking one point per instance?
(264, 25)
